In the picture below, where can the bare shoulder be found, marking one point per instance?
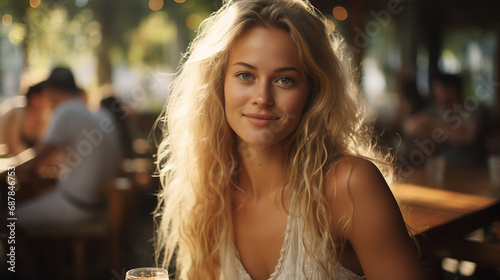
(358, 193)
(354, 175)
(354, 185)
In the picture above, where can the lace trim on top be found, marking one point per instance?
(283, 253)
(341, 272)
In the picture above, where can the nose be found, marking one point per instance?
(262, 95)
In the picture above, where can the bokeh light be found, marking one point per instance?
(193, 21)
(35, 3)
(94, 33)
(179, 1)
(155, 5)
(7, 19)
(17, 33)
(340, 13)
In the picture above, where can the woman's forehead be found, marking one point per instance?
(264, 45)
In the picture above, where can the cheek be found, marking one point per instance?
(293, 103)
(228, 98)
(227, 94)
(234, 96)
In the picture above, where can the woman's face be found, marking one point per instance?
(265, 89)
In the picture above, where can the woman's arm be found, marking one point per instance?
(377, 231)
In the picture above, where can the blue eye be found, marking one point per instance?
(285, 81)
(244, 76)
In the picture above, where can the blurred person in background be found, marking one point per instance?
(459, 123)
(112, 108)
(92, 154)
(23, 127)
(411, 103)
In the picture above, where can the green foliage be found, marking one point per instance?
(100, 34)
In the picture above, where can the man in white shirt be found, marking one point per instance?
(92, 154)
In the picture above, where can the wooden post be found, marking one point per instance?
(434, 48)
(356, 21)
(496, 82)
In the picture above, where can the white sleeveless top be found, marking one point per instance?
(292, 257)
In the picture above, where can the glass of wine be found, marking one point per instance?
(147, 273)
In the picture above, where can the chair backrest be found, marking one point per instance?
(118, 194)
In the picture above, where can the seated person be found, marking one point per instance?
(114, 109)
(22, 127)
(460, 123)
(92, 154)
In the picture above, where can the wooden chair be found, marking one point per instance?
(111, 227)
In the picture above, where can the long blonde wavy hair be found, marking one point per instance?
(198, 157)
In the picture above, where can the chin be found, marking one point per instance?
(263, 138)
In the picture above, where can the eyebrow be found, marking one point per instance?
(282, 69)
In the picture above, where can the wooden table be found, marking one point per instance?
(431, 210)
(442, 214)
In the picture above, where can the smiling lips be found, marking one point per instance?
(260, 120)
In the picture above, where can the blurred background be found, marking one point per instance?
(136, 45)
(129, 49)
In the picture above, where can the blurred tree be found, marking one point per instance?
(106, 15)
(53, 32)
(116, 18)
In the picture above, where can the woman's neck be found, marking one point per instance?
(262, 170)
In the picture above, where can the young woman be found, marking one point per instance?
(267, 166)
